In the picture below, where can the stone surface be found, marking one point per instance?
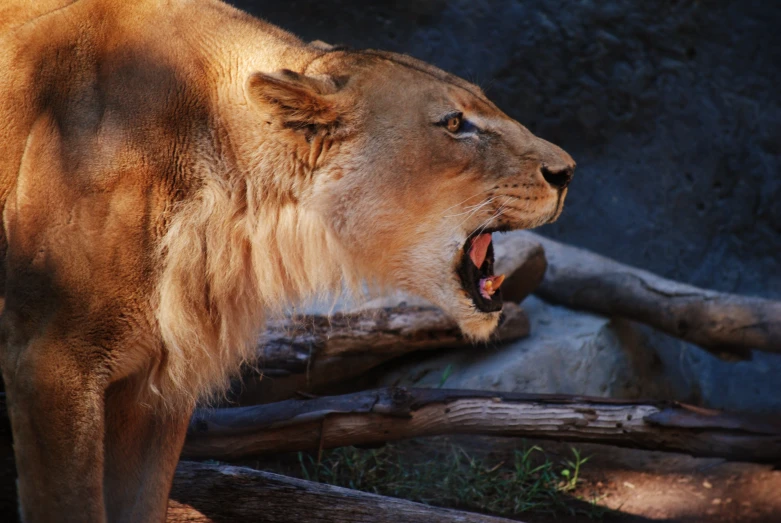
(567, 353)
(572, 352)
(700, 378)
(671, 108)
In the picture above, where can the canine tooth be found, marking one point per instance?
(489, 285)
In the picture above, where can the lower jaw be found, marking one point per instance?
(479, 326)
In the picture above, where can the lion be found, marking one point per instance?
(172, 173)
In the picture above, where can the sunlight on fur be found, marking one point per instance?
(230, 258)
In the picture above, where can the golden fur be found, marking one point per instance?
(171, 172)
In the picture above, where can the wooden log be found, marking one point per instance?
(368, 338)
(727, 325)
(522, 261)
(204, 493)
(373, 417)
(305, 354)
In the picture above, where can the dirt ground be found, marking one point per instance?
(635, 486)
(659, 486)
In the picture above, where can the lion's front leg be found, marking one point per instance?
(56, 408)
(142, 449)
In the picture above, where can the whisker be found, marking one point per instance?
(474, 211)
(485, 224)
(464, 201)
(469, 207)
(497, 214)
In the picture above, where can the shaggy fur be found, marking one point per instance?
(230, 257)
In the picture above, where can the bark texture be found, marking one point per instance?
(311, 352)
(220, 493)
(382, 415)
(727, 325)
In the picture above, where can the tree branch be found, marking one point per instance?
(305, 354)
(727, 325)
(382, 415)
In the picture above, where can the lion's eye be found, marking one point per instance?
(454, 123)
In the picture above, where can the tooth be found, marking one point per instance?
(484, 292)
(489, 285)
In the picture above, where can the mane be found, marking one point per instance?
(234, 254)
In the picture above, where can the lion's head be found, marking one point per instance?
(413, 169)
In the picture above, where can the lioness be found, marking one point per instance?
(172, 171)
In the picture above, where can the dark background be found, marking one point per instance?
(671, 109)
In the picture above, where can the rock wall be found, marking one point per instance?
(671, 108)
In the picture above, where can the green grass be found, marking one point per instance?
(528, 482)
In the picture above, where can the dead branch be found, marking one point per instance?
(302, 354)
(725, 324)
(208, 493)
(373, 417)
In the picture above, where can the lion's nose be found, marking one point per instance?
(558, 178)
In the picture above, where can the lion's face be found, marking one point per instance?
(426, 170)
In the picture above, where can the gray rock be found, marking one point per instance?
(571, 352)
(700, 378)
(567, 353)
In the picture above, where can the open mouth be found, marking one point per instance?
(476, 272)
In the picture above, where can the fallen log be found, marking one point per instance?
(368, 338)
(727, 325)
(374, 417)
(204, 493)
(305, 354)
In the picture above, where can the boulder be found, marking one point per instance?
(567, 353)
(571, 352)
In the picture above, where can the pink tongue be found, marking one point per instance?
(479, 249)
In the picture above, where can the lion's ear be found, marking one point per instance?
(300, 101)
